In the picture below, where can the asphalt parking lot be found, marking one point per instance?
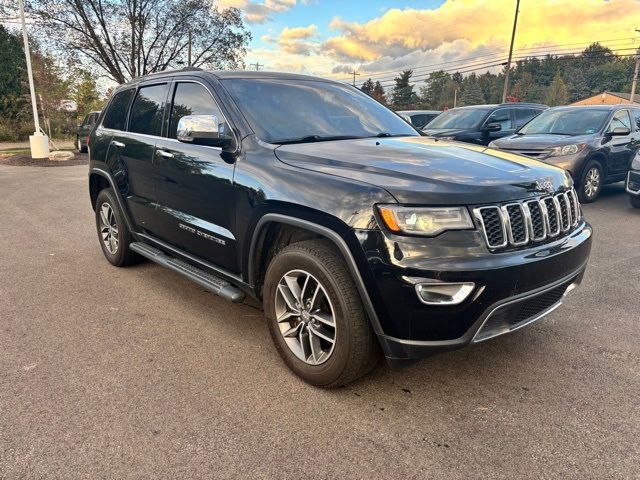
(139, 373)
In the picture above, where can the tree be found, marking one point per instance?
(557, 92)
(85, 93)
(123, 39)
(378, 93)
(367, 87)
(403, 95)
(13, 75)
(471, 92)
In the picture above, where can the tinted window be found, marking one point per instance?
(503, 117)
(116, 115)
(191, 99)
(620, 120)
(567, 121)
(459, 118)
(523, 115)
(289, 110)
(146, 112)
(636, 118)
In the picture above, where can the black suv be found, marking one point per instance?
(595, 144)
(481, 124)
(355, 232)
(84, 129)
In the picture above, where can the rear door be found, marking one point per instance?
(196, 200)
(130, 154)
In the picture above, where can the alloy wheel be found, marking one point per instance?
(109, 228)
(592, 182)
(305, 317)
(79, 145)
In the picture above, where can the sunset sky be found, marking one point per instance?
(332, 37)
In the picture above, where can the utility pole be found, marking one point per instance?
(354, 73)
(189, 51)
(513, 37)
(38, 142)
(455, 98)
(257, 65)
(635, 75)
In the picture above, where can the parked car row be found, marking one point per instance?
(597, 145)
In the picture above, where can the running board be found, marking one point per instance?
(205, 279)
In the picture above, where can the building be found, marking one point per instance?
(609, 98)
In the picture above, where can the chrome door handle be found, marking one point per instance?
(164, 153)
(115, 143)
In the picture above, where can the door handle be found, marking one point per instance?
(115, 143)
(164, 153)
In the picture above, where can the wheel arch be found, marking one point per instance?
(302, 229)
(99, 180)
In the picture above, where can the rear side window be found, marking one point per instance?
(191, 99)
(147, 109)
(116, 116)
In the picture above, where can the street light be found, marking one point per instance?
(38, 142)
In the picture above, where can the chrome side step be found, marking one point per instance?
(205, 279)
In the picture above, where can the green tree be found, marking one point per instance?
(85, 93)
(378, 93)
(13, 75)
(403, 96)
(367, 87)
(471, 92)
(557, 92)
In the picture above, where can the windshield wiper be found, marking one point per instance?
(314, 138)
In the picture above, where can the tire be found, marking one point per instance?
(591, 182)
(114, 237)
(81, 149)
(634, 200)
(354, 351)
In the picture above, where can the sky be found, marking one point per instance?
(381, 37)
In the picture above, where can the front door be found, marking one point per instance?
(503, 117)
(196, 203)
(619, 146)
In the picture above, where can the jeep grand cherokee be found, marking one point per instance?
(356, 233)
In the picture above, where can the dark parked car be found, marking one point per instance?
(633, 182)
(594, 143)
(84, 129)
(419, 118)
(481, 124)
(356, 233)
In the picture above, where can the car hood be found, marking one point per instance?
(539, 141)
(446, 132)
(422, 170)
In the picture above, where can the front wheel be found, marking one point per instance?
(591, 182)
(315, 315)
(634, 200)
(81, 149)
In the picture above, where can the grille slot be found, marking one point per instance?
(519, 223)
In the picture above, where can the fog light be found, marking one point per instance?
(444, 293)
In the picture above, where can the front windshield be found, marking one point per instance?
(281, 111)
(459, 118)
(578, 121)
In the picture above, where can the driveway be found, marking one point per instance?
(139, 373)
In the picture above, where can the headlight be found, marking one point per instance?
(492, 145)
(635, 165)
(446, 138)
(424, 221)
(567, 149)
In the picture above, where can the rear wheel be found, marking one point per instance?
(113, 232)
(315, 315)
(81, 149)
(591, 182)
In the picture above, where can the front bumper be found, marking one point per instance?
(513, 288)
(633, 182)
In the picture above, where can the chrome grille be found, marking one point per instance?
(519, 223)
(527, 152)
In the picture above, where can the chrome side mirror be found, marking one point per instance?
(203, 130)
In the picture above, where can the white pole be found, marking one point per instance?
(38, 142)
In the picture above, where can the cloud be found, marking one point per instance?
(258, 12)
(400, 31)
(298, 33)
(295, 40)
